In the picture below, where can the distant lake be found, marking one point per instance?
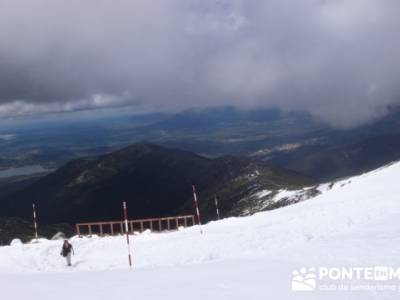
(26, 170)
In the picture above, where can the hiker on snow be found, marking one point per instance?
(66, 251)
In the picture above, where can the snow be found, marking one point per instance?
(352, 223)
(262, 193)
(267, 200)
(16, 242)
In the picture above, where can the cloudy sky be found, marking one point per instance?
(337, 59)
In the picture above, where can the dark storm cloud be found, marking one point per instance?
(338, 60)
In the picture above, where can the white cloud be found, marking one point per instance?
(337, 59)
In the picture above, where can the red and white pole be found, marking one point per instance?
(127, 233)
(197, 207)
(34, 220)
(216, 205)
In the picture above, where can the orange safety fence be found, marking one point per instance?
(117, 227)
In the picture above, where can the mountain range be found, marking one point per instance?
(155, 181)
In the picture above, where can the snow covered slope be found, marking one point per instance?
(353, 223)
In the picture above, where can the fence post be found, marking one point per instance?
(127, 233)
(141, 226)
(216, 205)
(78, 231)
(197, 208)
(34, 221)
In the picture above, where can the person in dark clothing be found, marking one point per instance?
(66, 251)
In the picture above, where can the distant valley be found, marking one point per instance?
(291, 140)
